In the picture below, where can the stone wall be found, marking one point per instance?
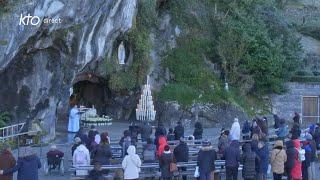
(288, 103)
(39, 62)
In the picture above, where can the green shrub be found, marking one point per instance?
(3, 42)
(147, 14)
(121, 81)
(181, 93)
(303, 73)
(12, 144)
(191, 75)
(5, 118)
(138, 39)
(257, 50)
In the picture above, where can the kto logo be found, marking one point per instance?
(29, 20)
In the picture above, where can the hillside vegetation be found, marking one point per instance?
(254, 48)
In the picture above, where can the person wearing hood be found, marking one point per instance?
(178, 131)
(162, 143)
(198, 131)
(164, 163)
(291, 154)
(232, 157)
(27, 166)
(181, 154)
(131, 164)
(81, 157)
(205, 161)
(263, 157)
(248, 160)
(102, 153)
(277, 160)
(296, 172)
(6, 161)
(235, 130)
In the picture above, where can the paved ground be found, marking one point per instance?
(64, 140)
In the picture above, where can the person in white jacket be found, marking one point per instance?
(235, 130)
(81, 157)
(131, 164)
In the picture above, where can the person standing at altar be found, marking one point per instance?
(74, 120)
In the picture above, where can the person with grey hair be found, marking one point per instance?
(6, 161)
(54, 157)
(27, 165)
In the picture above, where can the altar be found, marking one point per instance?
(89, 117)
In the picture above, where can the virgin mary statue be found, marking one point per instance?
(121, 53)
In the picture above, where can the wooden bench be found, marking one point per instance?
(190, 166)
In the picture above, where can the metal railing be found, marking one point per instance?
(10, 132)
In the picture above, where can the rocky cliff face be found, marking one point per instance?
(38, 63)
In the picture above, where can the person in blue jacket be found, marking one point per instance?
(282, 130)
(263, 159)
(306, 163)
(27, 166)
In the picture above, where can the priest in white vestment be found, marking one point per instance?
(74, 120)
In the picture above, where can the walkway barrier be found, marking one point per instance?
(10, 132)
(13, 133)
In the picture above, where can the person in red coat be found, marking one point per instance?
(162, 143)
(6, 161)
(296, 172)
